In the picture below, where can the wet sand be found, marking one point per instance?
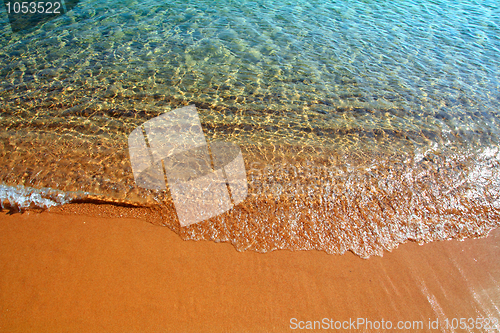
(98, 272)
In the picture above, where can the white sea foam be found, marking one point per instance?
(484, 177)
(29, 197)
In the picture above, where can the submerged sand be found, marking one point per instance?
(98, 272)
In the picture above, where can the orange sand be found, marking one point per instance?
(62, 272)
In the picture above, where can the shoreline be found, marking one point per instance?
(298, 204)
(72, 272)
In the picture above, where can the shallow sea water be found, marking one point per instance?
(362, 124)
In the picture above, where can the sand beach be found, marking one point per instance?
(83, 268)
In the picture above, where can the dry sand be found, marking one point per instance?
(67, 272)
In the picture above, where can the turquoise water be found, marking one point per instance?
(373, 98)
(430, 66)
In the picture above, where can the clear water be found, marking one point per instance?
(363, 124)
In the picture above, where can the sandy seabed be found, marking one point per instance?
(86, 269)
